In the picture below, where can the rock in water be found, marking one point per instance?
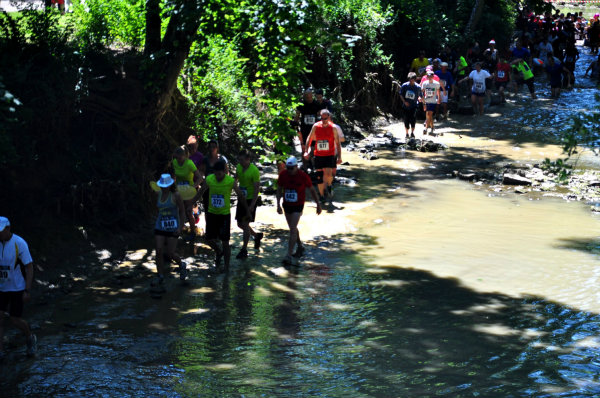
(515, 179)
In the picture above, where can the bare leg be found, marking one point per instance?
(293, 219)
(160, 261)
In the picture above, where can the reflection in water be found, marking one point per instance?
(417, 286)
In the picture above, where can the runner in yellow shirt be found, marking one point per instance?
(248, 178)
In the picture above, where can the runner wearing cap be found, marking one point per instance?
(491, 56)
(327, 143)
(431, 98)
(218, 216)
(248, 178)
(291, 186)
(167, 228)
(16, 278)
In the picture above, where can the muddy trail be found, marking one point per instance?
(415, 283)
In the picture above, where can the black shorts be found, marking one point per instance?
(325, 162)
(166, 233)
(528, 83)
(240, 213)
(218, 226)
(500, 84)
(12, 302)
(293, 208)
(410, 117)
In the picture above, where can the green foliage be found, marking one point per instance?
(103, 23)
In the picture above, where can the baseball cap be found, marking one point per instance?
(291, 161)
(444, 64)
(430, 73)
(4, 223)
(492, 41)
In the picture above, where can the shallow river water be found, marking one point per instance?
(414, 285)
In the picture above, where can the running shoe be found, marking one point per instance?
(257, 238)
(31, 345)
(412, 135)
(242, 254)
(299, 251)
(183, 271)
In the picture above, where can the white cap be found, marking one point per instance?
(4, 223)
(165, 181)
(291, 161)
(492, 41)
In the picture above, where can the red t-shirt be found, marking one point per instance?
(325, 139)
(294, 187)
(502, 72)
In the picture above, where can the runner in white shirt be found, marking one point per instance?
(478, 88)
(16, 277)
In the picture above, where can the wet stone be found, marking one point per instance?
(515, 179)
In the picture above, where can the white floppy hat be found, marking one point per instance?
(4, 223)
(165, 181)
(291, 161)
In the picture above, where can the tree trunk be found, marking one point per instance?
(153, 26)
(475, 17)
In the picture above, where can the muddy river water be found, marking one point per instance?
(415, 284)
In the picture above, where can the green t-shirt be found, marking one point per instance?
(462, 66)
(219, 194)
(524, 69)
(185, 172)
(247, 179)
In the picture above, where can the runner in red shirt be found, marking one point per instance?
(327, 144)
(291, 186)
(502, 76)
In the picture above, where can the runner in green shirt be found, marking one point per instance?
(248, 178)
(218, 216)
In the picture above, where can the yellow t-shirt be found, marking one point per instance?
(184, 173)
(219, 194)
(247, 179)
(419, 66)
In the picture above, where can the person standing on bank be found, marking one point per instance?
(16, 278)
(167, 228)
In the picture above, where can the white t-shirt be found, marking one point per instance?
(479, 80)
(11, 278)
(429, 91)
(544, 50)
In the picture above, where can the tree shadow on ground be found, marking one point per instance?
(587, 245)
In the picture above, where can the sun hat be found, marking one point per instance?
(291, 161)
(4, 223)
(165, 181)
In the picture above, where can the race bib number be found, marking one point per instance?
(244, 191)
(479, 87)
(217, 201)
(291, 195)
(501, 74)
(429, 92)
(422, 70)
(310, 119)
(169, 224)
(410, 95)
(323, 145)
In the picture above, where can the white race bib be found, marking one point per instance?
(323, 145)
(309, 119)
(169, 224)
(291, 195)
(410, 95)
(429, 92)
(500, 74)
(479, 87)
(217, 201)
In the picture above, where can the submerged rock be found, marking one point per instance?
(515, 179)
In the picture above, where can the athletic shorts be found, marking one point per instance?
(477, 94)
(555, 85)
(218, 226)
(158, 232)
(500, 84)
(293, 208)
(12, 302)
(325, 162)
(240, 214)
(430, 107)
(528, 83)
